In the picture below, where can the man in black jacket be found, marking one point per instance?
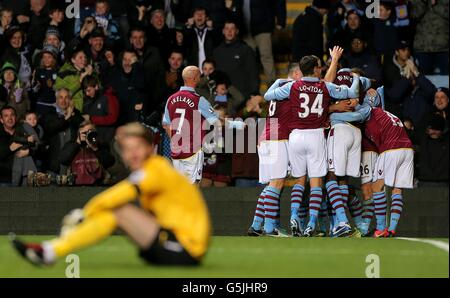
(308, 31)
(7, 146)
(238, 61)
(150, 59)
(259, 20)
(60, 126)
(127, 80)
(200, 37)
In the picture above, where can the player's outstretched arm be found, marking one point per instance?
(361, 115)
(279, 93)
(336, 54)
(118, 195)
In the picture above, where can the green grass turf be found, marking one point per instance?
(251, 257)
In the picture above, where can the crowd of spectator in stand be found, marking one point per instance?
(66, 83)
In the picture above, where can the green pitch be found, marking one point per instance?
(252, 257)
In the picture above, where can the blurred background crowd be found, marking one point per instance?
(67, 83)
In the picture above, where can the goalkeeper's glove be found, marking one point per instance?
(71, 220)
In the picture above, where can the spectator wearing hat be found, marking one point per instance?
(16, 52)
(72, 73)
(235, 58)
(308, 31)
(433, 154)
(44, 79)
(385, 35)
(95, 50)
(431, 39)
(53, 39)
(359, 56)
(408, 92)
(17, 95)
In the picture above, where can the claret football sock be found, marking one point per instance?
(272, 209)
(258, 220)
(334, 194)
(315, 201)
(356, 210)
(296, 200)
(379, 199)
(396, 211)
(344, 193)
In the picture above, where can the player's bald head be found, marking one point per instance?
(190, 72)
(191, 76)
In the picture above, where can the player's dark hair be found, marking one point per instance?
(308, 64)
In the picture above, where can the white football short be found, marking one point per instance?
(273, 160)
(396, 167)
(308, 153)
(368, 164)
(344, 150)
(190, 167)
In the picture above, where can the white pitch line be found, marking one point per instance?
(439, 244)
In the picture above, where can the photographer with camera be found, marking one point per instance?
(87, 157)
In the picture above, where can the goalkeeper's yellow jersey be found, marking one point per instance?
(177, 205)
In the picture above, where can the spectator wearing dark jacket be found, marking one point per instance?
(35, 22)
(200, 38)
(160, 35)
(127, 80)
(308, 31)
(360, 57)
(434, 152)
(60, 126)
(219, 11)
(408, 93)
(150, 59)
(238, 61)
(353, 27)
(259, 20)
(100, 108)
(86, 156)
(8, 147)
(440, 107)
(385, 35)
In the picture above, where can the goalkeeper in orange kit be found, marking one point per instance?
(170, 223)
